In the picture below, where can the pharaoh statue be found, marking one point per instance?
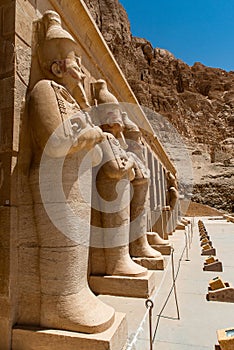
(139, 246)
(173, 199)
(172, 190)
(63, 138)
(112, 215)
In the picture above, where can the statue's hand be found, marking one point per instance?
(88, 138)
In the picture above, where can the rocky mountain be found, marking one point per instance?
(197, 100)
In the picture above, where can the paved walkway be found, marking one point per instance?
(199, 319)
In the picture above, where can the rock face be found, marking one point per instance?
(197, 100)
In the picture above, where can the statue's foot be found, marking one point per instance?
(180, 226)
(140, 248)
(185, 221)
(119, 263)
(80, 312)
(155, 239)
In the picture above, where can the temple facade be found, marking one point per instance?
(46, 46)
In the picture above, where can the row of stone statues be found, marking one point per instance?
(87, 173)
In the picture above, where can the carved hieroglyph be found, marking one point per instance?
(62, 135)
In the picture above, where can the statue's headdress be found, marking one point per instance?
(108, 108)
(54, 43)
(131, 130)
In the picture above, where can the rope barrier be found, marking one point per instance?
(172, 288)
(150, 303)
(140, 328)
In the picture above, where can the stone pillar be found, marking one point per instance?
(152, 190)
(163, 185)
(156, 211)
(167, 209)
(161, 199)
(158, 199)
(8, 177)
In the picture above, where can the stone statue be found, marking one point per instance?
(113, 185)
(101, 93)
(62, 135)
(139, 246)
(172, 190)
(173, 199)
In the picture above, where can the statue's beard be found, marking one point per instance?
(80, 96)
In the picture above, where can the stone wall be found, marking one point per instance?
(8, 150)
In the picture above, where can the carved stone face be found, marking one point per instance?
(68, 71)
(113, 120)
(73, 68)
(114, 117)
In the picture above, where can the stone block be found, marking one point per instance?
(26, 14)
(216, 283)
(8, 19)
(223, 295)
(27, 233)
(5, 226)
(7, 92)
(163, 249)
(19, 118)
(5, 178)
(6, 129)
(6, 56)
(23, 52)
(5, 333)
(5, 308)
(204, 236)
(115, 338)
(28, 285)
(206, 242)
(229, 218)
(210, 251)
(4, 271)
(150, 263)
(226, 338)
(138, 287)
(215, 266)
(8, 223)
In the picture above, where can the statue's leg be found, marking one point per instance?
(116, 232)
(139, 246)
(155, 239)
(66, 300)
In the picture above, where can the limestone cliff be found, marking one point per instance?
(197, 100)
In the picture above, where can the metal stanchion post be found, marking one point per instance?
(174, 285)
(186, 246)
(188, 233)
(192, 226)
(149, 304)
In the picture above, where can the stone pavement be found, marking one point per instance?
(199, 319)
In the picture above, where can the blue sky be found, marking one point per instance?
(193, 30)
